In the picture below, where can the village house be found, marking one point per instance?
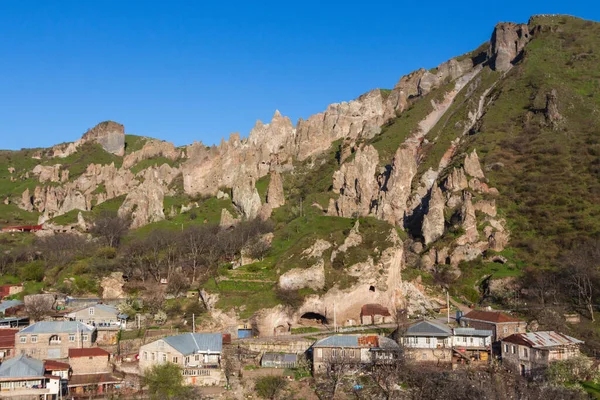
(10, 308)
(530, 353)
(428, 341)
(279, 360)
(53, 339)
(92, 372)
(198, 354)
(501, 324)
(24, 377)
(371, 314)
(7, 343)
(353, 351)
(14, 322)
(108, 320)
(9, 290)
(471, 345)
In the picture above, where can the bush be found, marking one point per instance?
(34, 271)
(268, 387)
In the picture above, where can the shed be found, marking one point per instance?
(279, 360)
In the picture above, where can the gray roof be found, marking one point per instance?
(280, 357)
(428, 328)
(58, 327)
(21, 367)
(190, 343)
(472, 332)
(542, 339)
(338, 341)
(6, 304)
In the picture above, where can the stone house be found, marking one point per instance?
(501, 324)
(92, 372)
(530, 353)
(53, 339)
(428, 341)
(7, 343)
(108, 320)
(24, 377)
(471, 345)
(374, 314)
(9, 290)
(198, 354)
(352, 351)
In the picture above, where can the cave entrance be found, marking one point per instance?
(313, 318)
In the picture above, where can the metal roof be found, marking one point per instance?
(280, 357)
(6, 304)
(338, 341)
(495, 317)
(190, 343)
(543, 339)
(472, 332)
(58, 327)
(428, 328)
(21, 367)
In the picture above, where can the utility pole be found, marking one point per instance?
(194, 323)
(334, 319)
(448, 304)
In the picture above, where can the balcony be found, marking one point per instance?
(54, 342)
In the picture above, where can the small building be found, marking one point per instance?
(56, 368)
(198, 354)
(108, 321)
(531, 353)
(279, 360)
(501, 324)
(24, 377)
(9, 308)
(9, 290)
(95, 384)
(7, 343)
(22, 228)
(92, 372)
(93, 360)
(14, 322)
(352, 351)
(471, 345)
(374, 314)
(53, 339)
(428, 341)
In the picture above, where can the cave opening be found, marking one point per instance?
(314, 317)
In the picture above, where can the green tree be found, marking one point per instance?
(165, 381)
(268, 387)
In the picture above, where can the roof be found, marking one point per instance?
(190, 343)
(7, 338)
(88, 352)
(428, 328)
(89, 379)
(353, 341)
(280, 357)
(58, 327)
(491, 316)
(6, 304)
(52, 365)
(472, 332)
(21, 367)
(540, 340)
(374, 309)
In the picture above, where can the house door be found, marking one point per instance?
(522, 370)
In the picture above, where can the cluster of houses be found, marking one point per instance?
(73, 353)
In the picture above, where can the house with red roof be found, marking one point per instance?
(92, 372)
(7, 343)
(500, 323)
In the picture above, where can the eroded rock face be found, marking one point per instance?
(356, 183)
(144, 204)
(112, 286)
(275, 197)
(433, 221)
(246, 197)
(298, 278)
(47, 173)
(151, 149)
(276, 137)
(110, 135)
(469, 221)
(508, 40)
(227, 220)
(472, 165)
(445, 72)
(456, 181)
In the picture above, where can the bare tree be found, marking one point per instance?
(335, 366)
(111, 227)
(581, 273)
(177, 284)
(39, 306)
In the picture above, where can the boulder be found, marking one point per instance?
(112, 286)
(246, 197)
(469, 221)
(298, 278)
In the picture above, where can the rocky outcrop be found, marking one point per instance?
(317, 249)
(508, 40)
(110, 135)
(395, 191)
(456, 181)
(246, 197)
(356, 183)
(444, 73)
(47, 173)
(486, 206)
(152, 149)
(275, 196)
(276, 137)
(469, 221)
(433, 221)
(298, 278)
(551, 112)
(144, 204)
(472, 165)
(112, 286)
(227, 220)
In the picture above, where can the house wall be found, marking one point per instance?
(429, 355)
(99, 316)
(422, 342)
(323, 356)
(90, 365)
(499, 330)
(471, 341)
(40, 347)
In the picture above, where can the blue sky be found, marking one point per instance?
(193, 70)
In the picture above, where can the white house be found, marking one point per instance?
(428, 341)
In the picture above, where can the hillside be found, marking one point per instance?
(475, 169)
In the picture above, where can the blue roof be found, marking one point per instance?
(190, 343)
(338, 341)
(428, 328)
(472, 332)
(21, 367)
(58, 327)
(6, 304)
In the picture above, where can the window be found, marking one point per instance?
(506, 348)
(23, 339)
(471, 340)
(517, 329)
(91, 310)
(85, 338)
(512, 349)
(175, 360)
(34, 339)
(164, 357)
(524, 352)
(333, 352)
(71, 337)
(464, 339)
(153, 356)
(428, 340)
(197, 357)
(505, 329)
(146, 356)
(187, 360)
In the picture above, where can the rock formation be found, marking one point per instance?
(110, 135)
(112, 286)
(472, 165)
(152, 149)
(508, 40)
(144, 204)
(275, 197)
(298, 278)
(433, 221)
(246, 197)
(227, 220)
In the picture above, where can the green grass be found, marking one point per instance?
(592, 388)
(305, 329)
(261, 186)
(134, 143)
(70, 217)
(87, 153)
